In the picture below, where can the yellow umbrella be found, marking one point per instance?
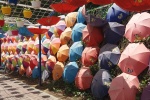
(54, 46)
(71, 18)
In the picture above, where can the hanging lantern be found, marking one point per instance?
(27, 13)
(6, 10)
(36, 3)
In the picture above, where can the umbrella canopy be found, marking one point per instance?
(14, 61)
(21, 70)
(63, 53)
(65, 36)
(113, 32)
(71, 18)
(58, 70)
(36, 47)
(24, 46)
(77, 32)
(26, 61)
(109, 56)
(90, 56)
(25, 32)
(45, 46)
(48, 21)
(145, 93)
(101, 2)
(61, 25)
(77, 2)
(33, 61)
(116, 14)
(30, 46)
(75, 51)
(50, 63)
(54, 46)
(63, 7)
(124, 87)
(138, 27)
(134, 59)
(50, 32)
(80, 17)
(92, 36)
(19, 59)
(70, 72)
(45, 75)
(84, 78)
(19, 47)
(100, 84)
(28, 72)
(35, 72)
(36, 30)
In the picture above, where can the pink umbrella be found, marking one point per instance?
(54, 46)
(28, 72)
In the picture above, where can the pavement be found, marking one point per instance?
(11, 89)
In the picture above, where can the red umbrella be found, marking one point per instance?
(63, 7)
(101, 2)
(77, 2)
(33, 62)
(37, 30)
(48, 21)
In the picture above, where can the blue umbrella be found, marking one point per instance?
(80, 17)
(116, 14)
(100, 84)
(109, 56)
(70, 72)
(25, 32)
(35, 72)
(77, 32)
(113, 32)
(75, 51)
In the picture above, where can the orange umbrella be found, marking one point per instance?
(92, 36)
(71, 18)
(21, 70)
(54, 46)
(134, 59)
(124, 87)
(28, 72)
(63, 53)
(65, 36)
(43, 58)
(84, 78)
(50, 63)
(30, 46)
(36, 47)
(58, 70)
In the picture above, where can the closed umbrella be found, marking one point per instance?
(90, 56)
(84, 78)
(70, 72)
(77, 32)
(71, 18)
(50, 63)
(124, 87)
(134, 59)
(138, 27)
(63, 53)
(75, 51)
(54, 46)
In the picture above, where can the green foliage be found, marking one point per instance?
(1, 16)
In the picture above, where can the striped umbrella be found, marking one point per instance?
(54, 46)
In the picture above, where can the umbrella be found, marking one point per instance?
(84, 78)
(100, 84)
(37, 30)
(101, 2)
(33, 61)
(50, 32)
(45, 75)
(45, 46)
(80, 17)
(43, 38)
(26, 61)
(63, 7)
(124, 87)
(145, 93)
(54, 46)
(113, 32)
(35, 72)
(109, 56)
(50, 63)
(21, 70)
(24, 31)
(30, 46)
(19, 47)
(77, 2)
(92, 36)
(116, 14)
(43, 58)
(70, 72)
(28, 72)
(53, 36)
(71, 18)
(129, 5)
(48, 21)
(24, 46)
(19, 60)
(14, 61)
(134, 59)
(34, 37)
(61, 25)
(138, 27)
(2, 35)
(75, 51)
(58, 70)
(36, 47)
(77, 32)
(63, 53)
(65, 36)
(90, 56)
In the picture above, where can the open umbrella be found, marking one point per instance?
(113, 32)
(77, 32)
(84, 78)
(100, 2)
(61, 25)
(21, 70)
(77, 2)
(36, 47)
(80, 17)
(100, 84)
(37, 30)
(19, 47)
(35, 72)
(28, 72)
(45, 46)
(66, 36)
(71, 18)
(54, 46)
(90, 56)
(109, 56)
(24, 31)
(124, 87)
(134, 59)
(145, 93)
(70, 72)
(63, 53)
(75, 51)
(63, 7)
(50, 32)
(50, 63)
(30, 46)
(58, 70)
(48, 21)
(138, 27)
(24, 46)
(92, 36)
(26, 61)
(116, 14)
(33, 62)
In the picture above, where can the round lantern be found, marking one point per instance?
(6, 10)
(27, 13)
